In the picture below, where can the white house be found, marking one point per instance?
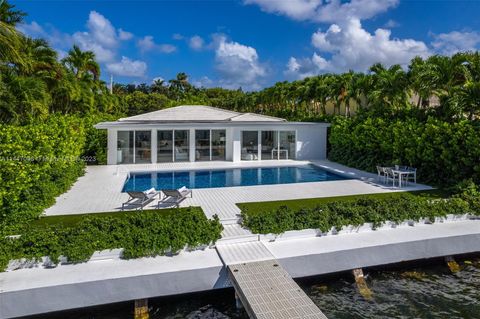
(204, 133)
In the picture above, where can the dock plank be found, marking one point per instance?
(268, 292)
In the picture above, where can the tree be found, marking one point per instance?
(10, 38)
(10, 16)
(389, 86)
(82, 64)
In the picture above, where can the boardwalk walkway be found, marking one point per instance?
(265, 289)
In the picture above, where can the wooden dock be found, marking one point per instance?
(264, 288)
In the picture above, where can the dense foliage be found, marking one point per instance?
(38, 162)
(141, 234)
(443, 152)
(356, 212)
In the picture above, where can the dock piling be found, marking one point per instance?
(452, 264)
(238, 302)
(362, 284)
(141, 309)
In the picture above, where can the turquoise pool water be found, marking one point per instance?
(229, 177)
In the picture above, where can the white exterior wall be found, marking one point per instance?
(311, 138)
(112, 147)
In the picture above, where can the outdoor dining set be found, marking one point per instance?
(402, 175)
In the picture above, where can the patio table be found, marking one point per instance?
(402, 172)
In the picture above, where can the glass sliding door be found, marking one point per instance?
(249, 145)
(143, 146)
(182, 146)
(287, 148)
(125, 147)
(269, 145)
(202, 145)
(218, 145)
(164, 146)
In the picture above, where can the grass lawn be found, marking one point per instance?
(72, 220)
(313, 202)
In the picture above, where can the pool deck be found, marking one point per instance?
(99, 190)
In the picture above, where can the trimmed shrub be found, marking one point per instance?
(141, 234)
(355, 212)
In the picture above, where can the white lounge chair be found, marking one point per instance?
(175, 196)
(139, 199)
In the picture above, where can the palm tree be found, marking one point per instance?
(10, 16)
(10, 38)
(41, 60)
(82, 64)
(389, 86)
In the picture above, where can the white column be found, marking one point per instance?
(154, 146)
(236, 141)
(112, 147)
(259, 146)
(229, 144)
(191, 141)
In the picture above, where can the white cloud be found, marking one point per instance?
(325, 11)
(124, 35)
(302, 68)
(56, 38)
(127, 67)
(204, 81)
(455, 41)
(196, 42)
(31, 29)
(177, 36)
(391, 24)
(345, 44)
(147, 44)
(238, 65)
(101, 37)
(351, 47)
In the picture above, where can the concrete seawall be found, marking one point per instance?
(33, 291)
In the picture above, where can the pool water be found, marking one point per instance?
(229, 177)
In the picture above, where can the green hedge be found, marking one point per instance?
(141, 234)
(354, 212)
(38, 162)
(444, 153)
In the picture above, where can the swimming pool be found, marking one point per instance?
(229, 177)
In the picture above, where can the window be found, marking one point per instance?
(278, 145)
(173, 146)
(143, 147)
(249, 145)
(125, 147)
(202, 145)
(286, 145)
(134, 147)
(218, 145)
(269, 143)
(210, 145)
(182, 146)
(164, 146)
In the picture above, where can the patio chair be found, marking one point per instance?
(175, 196)
(390, 174)
(381, 174)
(412, 176)
(139, 199)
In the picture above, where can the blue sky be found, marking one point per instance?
(251, 43)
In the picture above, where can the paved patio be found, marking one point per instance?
(99, 190)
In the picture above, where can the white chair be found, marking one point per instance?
(390, 174)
